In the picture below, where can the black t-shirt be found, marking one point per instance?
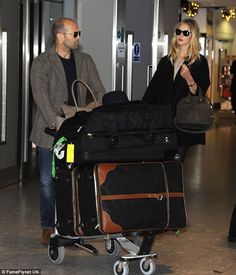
(71, 75)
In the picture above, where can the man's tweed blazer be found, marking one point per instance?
(50, 92)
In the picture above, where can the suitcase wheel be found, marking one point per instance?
(112, 247)
(147, 266)
(56, 254)
(121, 268)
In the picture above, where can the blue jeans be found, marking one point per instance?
(47, 189)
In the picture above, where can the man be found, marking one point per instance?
(52, 74)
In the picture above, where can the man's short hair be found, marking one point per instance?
(59, 26)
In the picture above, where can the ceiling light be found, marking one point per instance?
(191, 8)
(228, 14)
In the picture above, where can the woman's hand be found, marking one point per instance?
(186, 74)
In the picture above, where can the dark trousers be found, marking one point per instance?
(232, 227)
(47, 192)
(233, 101)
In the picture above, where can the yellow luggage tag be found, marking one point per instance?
(70, 153)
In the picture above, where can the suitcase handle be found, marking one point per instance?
(73, 92)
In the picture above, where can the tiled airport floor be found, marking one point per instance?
(202, 248)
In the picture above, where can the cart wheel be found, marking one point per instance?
(56, 255)
(121, 268)
(147, 266)
(112, 247)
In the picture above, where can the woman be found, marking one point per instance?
(232, 227)
(233, 86)
(182, 71)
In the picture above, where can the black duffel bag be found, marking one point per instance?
(130, 131)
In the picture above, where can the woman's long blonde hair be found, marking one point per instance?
(194, 46)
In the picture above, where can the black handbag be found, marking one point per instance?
(194, 114)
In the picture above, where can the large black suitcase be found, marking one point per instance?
(109, 198)
(126, 132)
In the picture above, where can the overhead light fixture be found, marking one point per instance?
(228, 14)
(191, 8)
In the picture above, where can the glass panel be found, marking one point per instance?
(52, 10)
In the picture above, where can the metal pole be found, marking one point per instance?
(25, 85)
(114, 44)
(129, 65)
(155, 35)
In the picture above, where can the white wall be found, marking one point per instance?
(95, 19)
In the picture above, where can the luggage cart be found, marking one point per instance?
(137, 245)
(153, 139)
(113, 244)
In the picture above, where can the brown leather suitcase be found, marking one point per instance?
(140, 196)
(126, 197)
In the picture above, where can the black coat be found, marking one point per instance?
(163, 90)
(233, 85)
(233, 71)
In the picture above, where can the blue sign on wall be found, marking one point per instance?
(136, 52)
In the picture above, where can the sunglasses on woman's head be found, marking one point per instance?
(185, 32)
